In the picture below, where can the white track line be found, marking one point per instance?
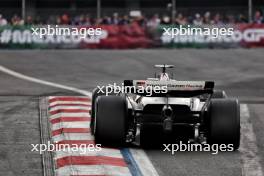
(250, 160)
(144, 164)
(39, 81)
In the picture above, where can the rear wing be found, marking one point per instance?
(173, 87)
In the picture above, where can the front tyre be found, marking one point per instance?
(224, 122)
(111, 121)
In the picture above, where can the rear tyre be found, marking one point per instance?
(219, 94)
(96, 93)
(111, 121)
(224, 122)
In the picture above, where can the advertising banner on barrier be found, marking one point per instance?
(242, 35)
(111, 37)
(134, 36)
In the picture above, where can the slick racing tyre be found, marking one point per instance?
(219, 94)
(96, 93)
(111, 121)
(224, 122)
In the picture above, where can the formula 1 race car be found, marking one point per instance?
(190, 110)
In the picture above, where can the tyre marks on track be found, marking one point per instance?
(249, 151)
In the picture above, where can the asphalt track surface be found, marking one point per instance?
(239, 71)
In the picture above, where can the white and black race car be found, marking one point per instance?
(190, 110)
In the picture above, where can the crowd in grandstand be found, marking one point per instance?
(155, 20)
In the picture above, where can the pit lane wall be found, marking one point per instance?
(131, 36)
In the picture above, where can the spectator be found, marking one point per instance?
(207, 18)
(154, 21)
(58, 20)
(16, 20)
(258, 18)
(78, 20)
(29, 20)
(231, 19)
(217, 19)
(141, 20)
(3, 21)
(181, 20)
(87, 20)
(165, 20)
(115, 19)
(124, 20)
(107, 20)
(242, 19)
(98, 21)
(198, 19)
(37, 20)
(51, 20)
(65, 19)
